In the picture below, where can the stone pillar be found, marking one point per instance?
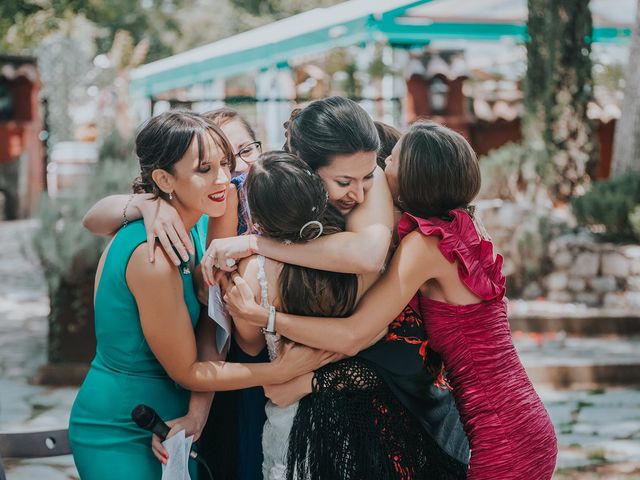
(417, 101)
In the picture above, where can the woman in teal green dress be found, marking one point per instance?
(146, 313)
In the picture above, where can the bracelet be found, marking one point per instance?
(270, 329)
(125, 220)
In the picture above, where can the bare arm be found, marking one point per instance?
(105, 217)
(416, 260)
(161, 220)
(248, 336)
(200, 402)
(167, 328)
(361, 249)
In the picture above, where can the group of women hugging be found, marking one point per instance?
(367, 304)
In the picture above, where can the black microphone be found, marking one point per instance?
(146, 417)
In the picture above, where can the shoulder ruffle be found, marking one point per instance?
(459, 241)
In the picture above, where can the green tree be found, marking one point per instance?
(23, 25)
(281, 8)
(558, 87)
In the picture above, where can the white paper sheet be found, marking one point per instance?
(177, 467)
(218, 313)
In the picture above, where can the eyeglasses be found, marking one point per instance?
(250, 152)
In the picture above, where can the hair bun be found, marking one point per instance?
(287, 126)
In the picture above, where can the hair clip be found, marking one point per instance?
(308, 224)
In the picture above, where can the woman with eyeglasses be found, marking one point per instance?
(246, 148)
(231, 441)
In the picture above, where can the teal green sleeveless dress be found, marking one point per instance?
(106, 444)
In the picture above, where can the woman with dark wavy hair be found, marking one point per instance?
(353, 425)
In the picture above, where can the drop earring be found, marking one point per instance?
(170, 195)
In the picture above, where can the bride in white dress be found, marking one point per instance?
(289, 203)
(275, 435)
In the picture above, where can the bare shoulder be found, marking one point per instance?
(424, 247)
(158, 273)
(233, 193)
(377, 208)
(248, 269)
(378, 174)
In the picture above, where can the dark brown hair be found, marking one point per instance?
(283, 195)
(438, 171)
(164, 140)
(225, 115)
(327, 127)
(389, 136)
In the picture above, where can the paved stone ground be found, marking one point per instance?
(598, 430)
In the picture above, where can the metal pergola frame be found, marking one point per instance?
(349, 23)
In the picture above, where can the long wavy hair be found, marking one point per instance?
(284, 195)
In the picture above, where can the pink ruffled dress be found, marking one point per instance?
(509, 430)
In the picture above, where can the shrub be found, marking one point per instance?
(510, 172)
(610, 206)
(69, 255)
(61, 241)
(634, 220)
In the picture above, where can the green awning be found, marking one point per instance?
(403, 23)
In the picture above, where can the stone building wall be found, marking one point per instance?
(548, 256)
(598, 274)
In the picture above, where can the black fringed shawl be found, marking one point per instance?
(385, 414)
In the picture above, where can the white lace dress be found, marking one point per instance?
(275, 435)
